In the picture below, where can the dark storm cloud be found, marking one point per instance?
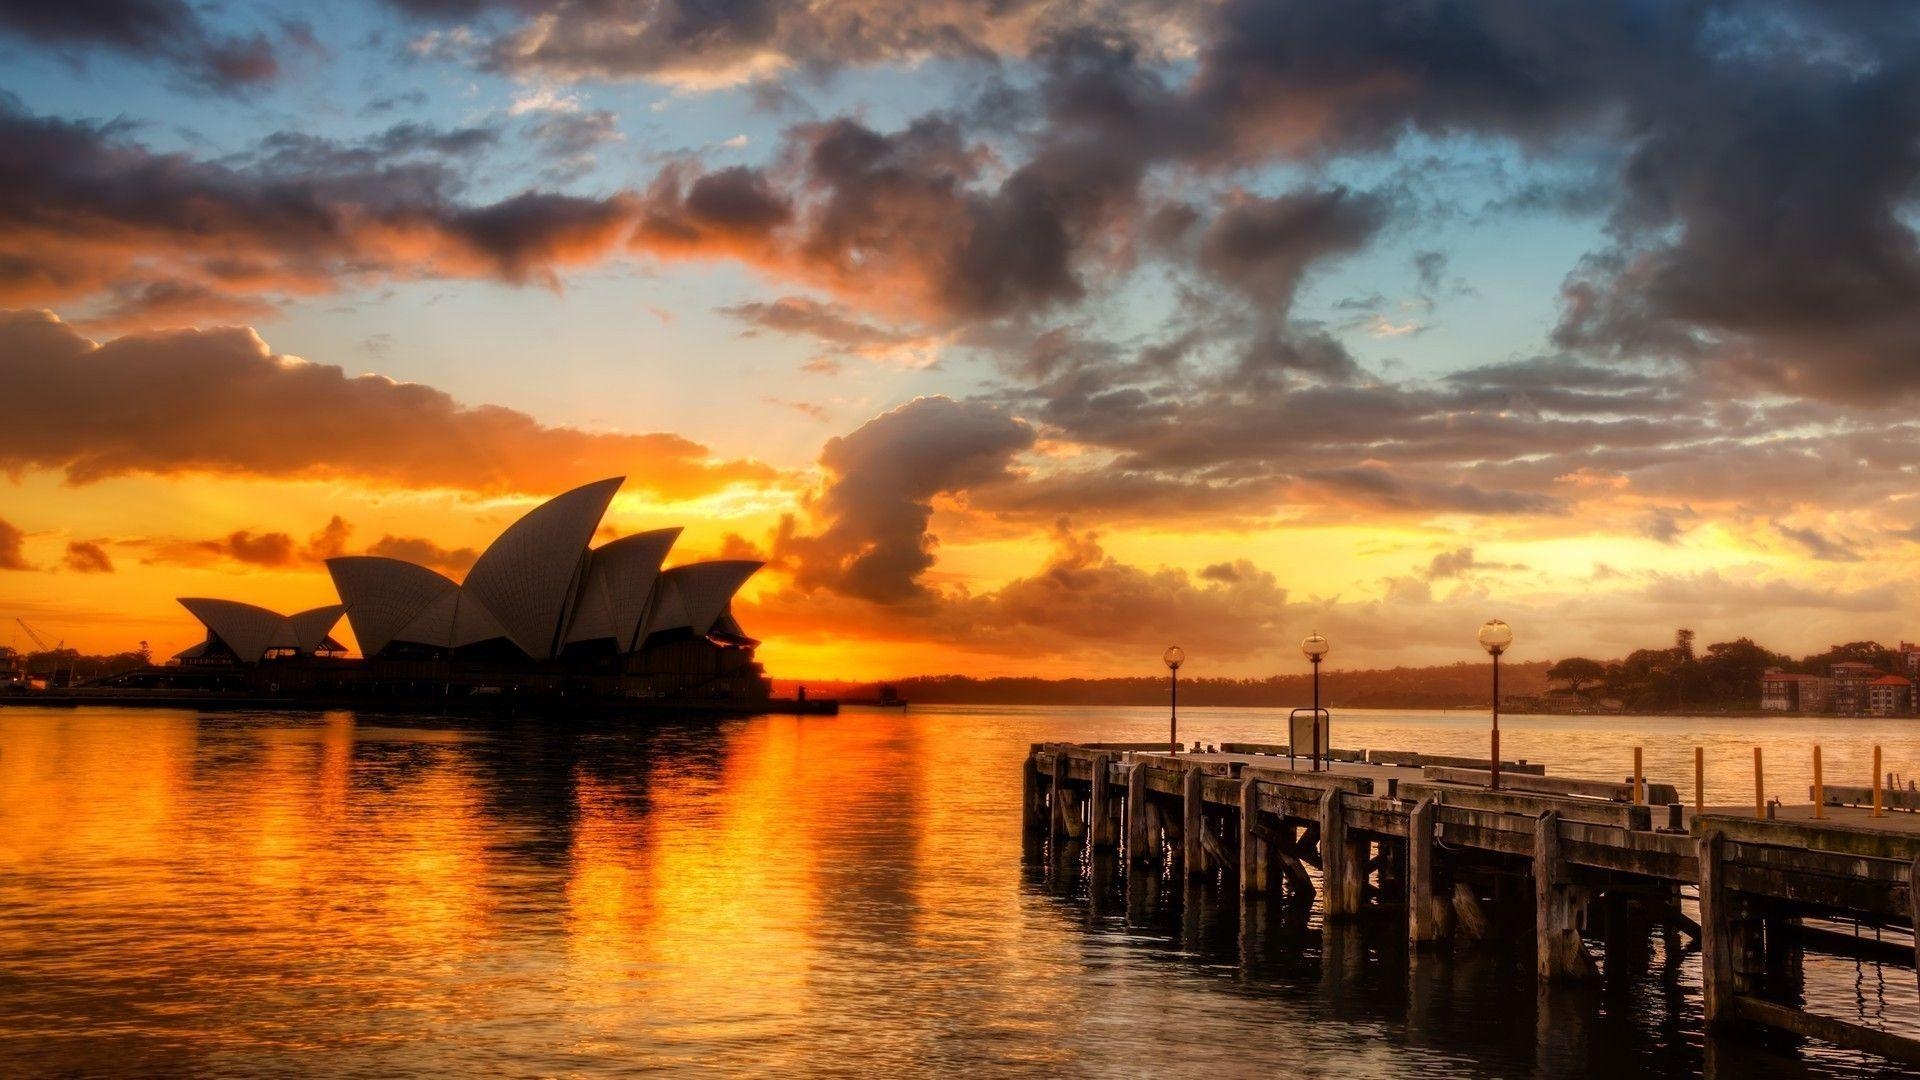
(170, 32)
(871, 517)
(87, 213)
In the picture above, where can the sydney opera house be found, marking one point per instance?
(542, 613)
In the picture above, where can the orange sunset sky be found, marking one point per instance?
(1017, 338)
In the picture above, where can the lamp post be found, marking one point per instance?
(1173, 658)
(1495, 636)
(1314, 648)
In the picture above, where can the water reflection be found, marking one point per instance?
(327, 893)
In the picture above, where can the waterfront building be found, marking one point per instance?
(540, 613)
(1890, 695)
(1847, 693)
(1785, 691)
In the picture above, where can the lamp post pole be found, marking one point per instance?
(1495, 637)
(1173, 658)
(1316, 714)
(1314, 648)
(1496, 722)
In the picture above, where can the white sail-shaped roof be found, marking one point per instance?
(311, 627)
(619, 581)
(528, 575)
(697, 594)
(383, 595)
(454, 621)
(247, 629)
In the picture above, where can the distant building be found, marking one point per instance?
(1785, 691)
(1847, 694)
(1890, 695)
(1910, 660)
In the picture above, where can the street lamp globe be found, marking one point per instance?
(1174, 657)
(1314, 647)
(1495, 636)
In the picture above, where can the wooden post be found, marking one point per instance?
(1639, 779)
(1139, 819)
(1716, 933)
(1101, 820)
(1424, 908)
(1559, 953)
(1699, 779)
(1057, 798)
(1343, 871)
(1876, 785)
(1759, 788)
(1193, 821)
(1819, 786)
(1032, 829)
(1254, 847)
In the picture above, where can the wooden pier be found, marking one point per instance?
(1424, 838)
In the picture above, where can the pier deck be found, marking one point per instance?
(1426, 836)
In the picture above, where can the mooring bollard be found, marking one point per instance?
(1759, 788)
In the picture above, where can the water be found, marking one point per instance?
(323, 894)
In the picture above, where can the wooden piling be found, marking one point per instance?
(1193, 822)
(1343, 871)
(1255, 862)
(1559, 953)
(1913, 902)
(1716, 939)
(1425, 908)
(1759, 787)
(1102, 821)
(1032, 826)
(1057, 801)
(1819, 786)
(1699, 779)
(1639, 779)
(1139, 818)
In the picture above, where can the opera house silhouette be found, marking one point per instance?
(541, 613)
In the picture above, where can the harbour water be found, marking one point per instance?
(325, 894)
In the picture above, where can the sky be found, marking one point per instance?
(1016, 337)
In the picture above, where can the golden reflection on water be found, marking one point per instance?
(335, 894)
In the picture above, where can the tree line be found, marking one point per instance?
(1724, 674)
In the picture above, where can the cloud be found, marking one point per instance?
(88, 215)
(87, 557)
(872, 514)
(415, 549)
(1818, 545)
(222, 402)
(167, 32)
(693, 44)
(836, 329)
(13, 554)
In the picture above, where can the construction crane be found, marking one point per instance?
(37, 639)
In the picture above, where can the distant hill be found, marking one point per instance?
(1462, 684)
